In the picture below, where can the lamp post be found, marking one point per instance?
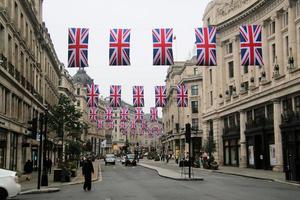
(45, 173)
(40, 150)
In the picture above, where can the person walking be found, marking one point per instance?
(28, 168)
(87, 171)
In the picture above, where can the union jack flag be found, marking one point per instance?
(144, 125)
(100, 123)
(206, 46)
(93, 114)
(251, 45)
(78, 47)
(119, 47)
(115, 96)
(162, 46)
(139, 115)
(108, 114)
(124, 114)
(132, 125)
(153, 114)
(111, 125)
(122, 125)
(182, 96)
(138, 96)
(92, 95)
(160, 96)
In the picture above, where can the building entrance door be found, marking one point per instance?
(258, 152)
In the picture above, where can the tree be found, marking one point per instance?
(65, 119)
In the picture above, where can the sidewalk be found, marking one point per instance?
(245, 172)
(32, 184)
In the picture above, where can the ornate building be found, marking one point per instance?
(174, 117)
(29, 78)
(253, 112)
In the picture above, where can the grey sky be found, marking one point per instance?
(139, 15)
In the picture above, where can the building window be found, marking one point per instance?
(115, 129)
(246, 86)
(194, 105)
(195, 71)
(287, 105)
(208, 21)
(210, 76)
(194, 89)
(273, 53)
(287, 46)
(2, 38)
(211, 98)
(78, 91)
(195, 123)
(230, 69)
(226, 122)
(249, 116)
(285, 19)
(246, 69)
(230, 90)
(229, 49)
(297, 104)
(270, 112)
(272, 28)
(232, 121)
(78, 103)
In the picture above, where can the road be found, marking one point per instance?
(137, 183)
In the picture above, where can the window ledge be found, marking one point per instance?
(264, 83)
(294, 70)
(279, 77)
(253, 87)
(244, 92)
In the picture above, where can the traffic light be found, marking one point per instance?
(187, 132)
(33, 127)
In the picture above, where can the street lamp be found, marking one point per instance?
(45, 173)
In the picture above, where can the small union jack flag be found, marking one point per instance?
(119, 47)
(122, 125)
(251, 45)
(92, 95)
(162, 46)
(138, 96)
(111, 125)
(115, 96)
(139, 115)
(160, 96)
(78, 47)
(108, 114)
(182, 96)
(133, 125)
(206, 46)
(124, 114)
(93, 114)
(153, 114)
(100, 123)
(144, 125)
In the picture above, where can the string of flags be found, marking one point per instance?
(162, 38)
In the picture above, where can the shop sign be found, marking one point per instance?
(272, 154)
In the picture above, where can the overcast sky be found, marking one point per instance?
(141, 16)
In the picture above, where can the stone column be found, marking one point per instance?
(19, 153)
(277, 136)
(8, 150)
(243, 153)
(278, 39)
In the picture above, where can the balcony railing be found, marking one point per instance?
(290, 117)
(11, 69)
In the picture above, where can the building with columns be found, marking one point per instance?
(29, 78)
(253, 112)
(174, 117)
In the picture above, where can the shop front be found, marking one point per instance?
(231, 146)
(3, 144)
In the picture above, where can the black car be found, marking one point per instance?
(130, 160)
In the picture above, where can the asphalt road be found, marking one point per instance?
(137, 183)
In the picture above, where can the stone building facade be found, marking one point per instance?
(174, 117)
(29, 78)
(253, 112)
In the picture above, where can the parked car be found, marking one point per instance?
(9, 186)
(110, 158)
(130, 160)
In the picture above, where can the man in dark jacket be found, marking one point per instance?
(87, 170)
(28, 168)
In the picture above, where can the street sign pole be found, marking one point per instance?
(40, 151)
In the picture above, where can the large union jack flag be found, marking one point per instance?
(78, 47)
(162, 46)
(153, 114)
(160, 96)
(139, 115)
(93, 114)
(138, 96)
(206, 46)
(92, 95)
(182, 96)
(115, 96)
(119, 47)
(124, 114)
(108, 114)
(251, 45)
(100, 123)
